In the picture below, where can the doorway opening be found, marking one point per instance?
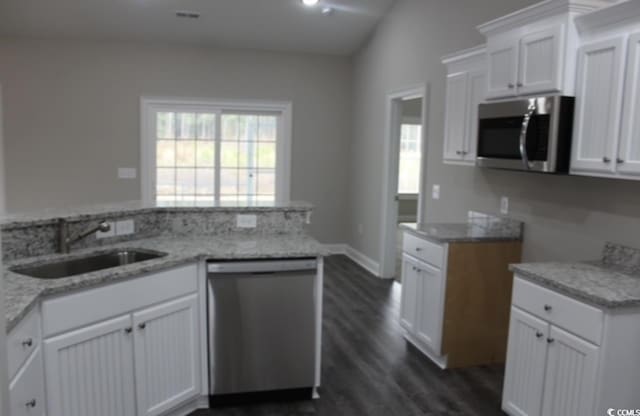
(405, 155)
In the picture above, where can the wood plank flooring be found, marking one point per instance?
(369, 369)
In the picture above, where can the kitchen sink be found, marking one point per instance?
(89, 263)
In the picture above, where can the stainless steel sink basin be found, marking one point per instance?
(91, 263)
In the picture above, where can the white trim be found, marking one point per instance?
(464, 54)
(283, 153)
(408, 197)
(389, 211)
(4, 376)
(362, 260)
(201, 402)
(539, 11)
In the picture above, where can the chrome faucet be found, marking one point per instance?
(64, 241)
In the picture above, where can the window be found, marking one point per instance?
(204, 154)
(410, 157)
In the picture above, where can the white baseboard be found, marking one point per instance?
(407, 218)
(201, 402)
(366, 262)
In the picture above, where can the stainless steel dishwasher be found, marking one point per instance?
(261, 317)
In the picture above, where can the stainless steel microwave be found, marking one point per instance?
(532, 134)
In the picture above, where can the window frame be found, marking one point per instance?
(150, 105)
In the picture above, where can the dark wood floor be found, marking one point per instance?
(368, 368)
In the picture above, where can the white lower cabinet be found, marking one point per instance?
(166, 355)
(571, 375)
(565, 359)
(90, 371)
(526, 363)
(422, 302)
(26, 391)
(409, 301)
(129, 362)
(430, 308)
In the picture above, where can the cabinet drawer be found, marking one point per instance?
(22, 341)
(574, 316)
(26, 392)
(94, 305)
(424, 250)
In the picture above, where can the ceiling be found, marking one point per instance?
(284, 25)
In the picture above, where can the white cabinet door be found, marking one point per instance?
(598, 105)
(629, 154)
(526, 358)
(477, 92)
(456, 116)
(571, 375)
(430, 306)
(166, 355)
(409, 299)
(26, 392)
(90, 371)
(502, 59)
(541, 61)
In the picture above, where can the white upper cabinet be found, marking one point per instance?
(598, 106)
(628, 159)
(533, 51)
(541, 61)
(466, 89)
(502, 58)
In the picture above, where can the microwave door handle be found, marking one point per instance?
(523, 134)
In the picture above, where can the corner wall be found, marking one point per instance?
(566, 218)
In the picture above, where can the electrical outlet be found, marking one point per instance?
(125, 227)
(246, 221)
(106, 234)
(504, 205)
(435, 192)
(127, 173)
(308, 218)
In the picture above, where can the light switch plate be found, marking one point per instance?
(106, 234)
(504, 205)
(435, 193)
(125, 227)
(246, 221)
(127, 173)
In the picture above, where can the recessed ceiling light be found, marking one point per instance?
(187, 14)
(310, 3)
(327, 10)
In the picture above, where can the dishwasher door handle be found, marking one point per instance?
(261, 266)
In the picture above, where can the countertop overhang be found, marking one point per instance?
(22, 292)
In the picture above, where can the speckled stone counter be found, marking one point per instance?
(612, 282)
(479, 227)
(22, 292)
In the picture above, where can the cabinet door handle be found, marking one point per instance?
(539, 334)
(142, 325)
(619, 161)
(606, 159)
(31, 403)
(27, 343)
(128, 330)
(418, 248)
(547, 308)
(520, 84)
(458, 152)
(511, 86)
(550, 340)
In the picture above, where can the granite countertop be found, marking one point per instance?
(612, 282)
(478, 228)
(22, 292)
(87, 212)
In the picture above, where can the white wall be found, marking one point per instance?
(72, 116)
(566, 217)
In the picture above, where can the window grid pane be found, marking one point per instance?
(186, 158)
